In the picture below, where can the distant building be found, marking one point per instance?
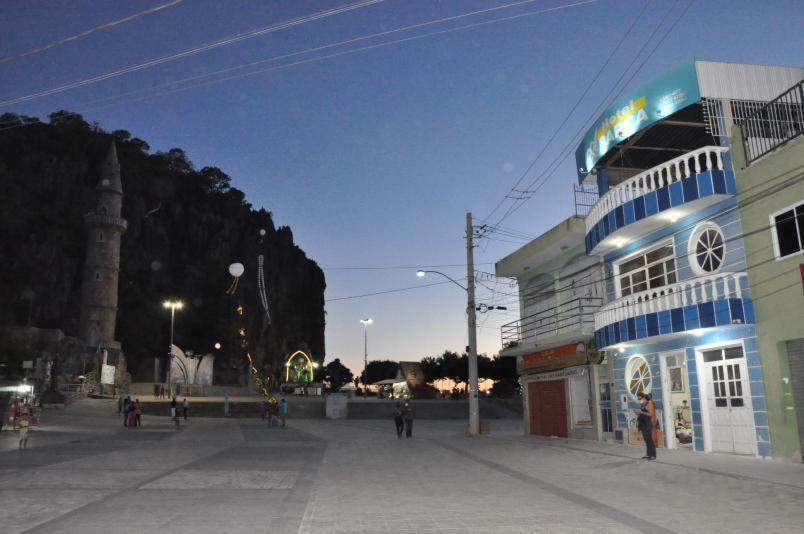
(566, 390)
(408, 381)
(768, 155)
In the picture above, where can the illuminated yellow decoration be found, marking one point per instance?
(306, 364)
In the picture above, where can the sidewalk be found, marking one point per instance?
(741, 467)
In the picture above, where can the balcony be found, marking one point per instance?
(658, 196)
(549, 327)
(703, 302)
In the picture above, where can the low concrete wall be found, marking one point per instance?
(315, 408)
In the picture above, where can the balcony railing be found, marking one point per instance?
(703, 159)
(571, 316)
(693, 291)
(779, 121)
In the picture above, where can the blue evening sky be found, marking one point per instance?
(373, 158)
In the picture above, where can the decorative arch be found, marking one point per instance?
(298, 364)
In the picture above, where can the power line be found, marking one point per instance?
(409, 288)
(589, 86)
(393, 267)
(311, 60)
(318, 49)
(567, 150)
(104, 26)
(195, 50)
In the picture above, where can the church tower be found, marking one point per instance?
(105, 227)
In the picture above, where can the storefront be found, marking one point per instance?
(565, 393)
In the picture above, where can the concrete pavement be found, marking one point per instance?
(84, 472)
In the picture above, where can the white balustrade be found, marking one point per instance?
(655, 178)
(693, 291)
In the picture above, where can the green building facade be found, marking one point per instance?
(770, 183)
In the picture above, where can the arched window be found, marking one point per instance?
(100, 237)
(638, 376)
(97, 275)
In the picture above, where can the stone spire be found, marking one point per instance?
(105, 227)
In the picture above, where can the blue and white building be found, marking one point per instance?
(679, 319)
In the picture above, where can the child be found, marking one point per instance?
(24, 425)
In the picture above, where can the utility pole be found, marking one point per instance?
(474, 408)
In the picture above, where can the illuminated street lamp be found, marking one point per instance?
(367, 321)
(172, 305)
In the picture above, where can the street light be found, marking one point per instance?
(172, 305)
(367, 321)
(474, 405)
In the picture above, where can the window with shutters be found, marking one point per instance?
(787, 226)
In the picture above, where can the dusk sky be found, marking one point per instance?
(374, 157)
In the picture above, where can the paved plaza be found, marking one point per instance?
(85, 473)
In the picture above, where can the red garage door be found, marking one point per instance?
(548, 408)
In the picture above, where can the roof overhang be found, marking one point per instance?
(548, 246)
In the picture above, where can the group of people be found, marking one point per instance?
(647, 423)
(160, 392)
(275, 412)
(130, 410)
(403, 418)
(22, 417)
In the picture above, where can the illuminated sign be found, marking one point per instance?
(555, 358)
(662, 96)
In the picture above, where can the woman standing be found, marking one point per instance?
(645, 425)
(654, 419)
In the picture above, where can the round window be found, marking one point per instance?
(707, 248)
(638, 376)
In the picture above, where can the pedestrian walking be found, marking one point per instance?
(3, 409)
(119, 404)
(185, 406)
(24, 425)
(131, 420)
(645, 425)
(173, 408)
(226, 404)
(283, 411)
(408, 414)
(162, 391)
(137, 413)
(398, 421)
(156, 391)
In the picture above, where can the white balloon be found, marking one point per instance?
(236, 269)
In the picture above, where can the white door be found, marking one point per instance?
(731, 418)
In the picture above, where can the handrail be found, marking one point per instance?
(550, 322)
(693, 291)
(670, 171)
(776, 123)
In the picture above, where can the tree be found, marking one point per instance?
(431, 367)
(337, 374)
(454, 366)
(377, 370)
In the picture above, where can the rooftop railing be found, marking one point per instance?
(674, 170)
(776, 123)
(694, 291)
(571, 316)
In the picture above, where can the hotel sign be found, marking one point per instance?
(555, 358)
(662, 96)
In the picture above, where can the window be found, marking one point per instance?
(638, 376)
(97, 275)
(788, 231)
(100, 237)
(649, 270)
(707, 249)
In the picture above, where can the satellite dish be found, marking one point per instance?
(236, 269)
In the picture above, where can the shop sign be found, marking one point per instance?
(654, 101)
(555, 358)
(558, 375)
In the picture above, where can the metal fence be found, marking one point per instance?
(778, 122)
(585, 197)
(572, 316)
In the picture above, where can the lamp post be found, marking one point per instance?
(367, 321)
(474, 406)
(172, 305)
